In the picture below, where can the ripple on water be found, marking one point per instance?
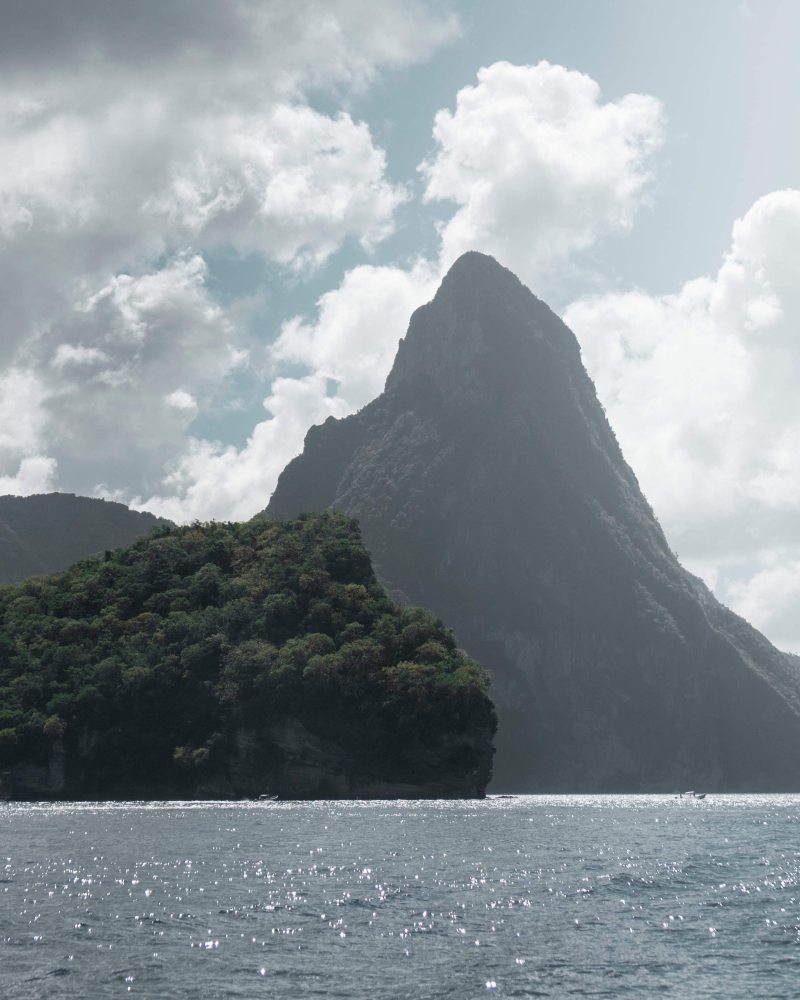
(524, 896)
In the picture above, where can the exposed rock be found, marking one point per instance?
(31, 779)
(290, 762)
(300, 764)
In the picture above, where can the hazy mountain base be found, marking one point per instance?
(47, 533)
(490, 487)
(227, 660)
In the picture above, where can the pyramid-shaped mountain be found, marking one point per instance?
(490, 487)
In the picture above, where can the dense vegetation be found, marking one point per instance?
(147, 661)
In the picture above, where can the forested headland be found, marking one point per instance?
(235, 659)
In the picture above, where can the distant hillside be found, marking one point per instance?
(489, 487)
(49, 532)
(227, 660)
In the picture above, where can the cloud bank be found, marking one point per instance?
(134, 142)
(701, 389)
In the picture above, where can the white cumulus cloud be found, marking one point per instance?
(180, 399)
(539, 166)
(213, 481)
(290, 182)
(109, 404)
(36, 474)
(701, 389)
(354, 338)
(135, 141)
(77, 354)
(22, 413)
(346, 354)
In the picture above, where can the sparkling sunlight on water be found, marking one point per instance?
(600, 896)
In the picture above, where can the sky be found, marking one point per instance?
(216, 220)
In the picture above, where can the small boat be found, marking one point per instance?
(699, 795)
(268, 798)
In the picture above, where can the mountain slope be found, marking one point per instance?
(490, 487)
(48, 532)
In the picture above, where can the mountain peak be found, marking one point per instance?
(482, 324)
(475, 273)
(490, 487)
(478, 274)
(473, 262)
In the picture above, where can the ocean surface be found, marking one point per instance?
(530, 896)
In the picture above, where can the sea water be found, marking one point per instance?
(591, 896)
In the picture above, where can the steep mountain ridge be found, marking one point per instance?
(48, 532)
(490, 487)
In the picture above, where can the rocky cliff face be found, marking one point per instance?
(490, 487)
(46, 533)
(36, 778)
(292, 762)
(285, 759)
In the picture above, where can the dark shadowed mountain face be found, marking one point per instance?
(49, 532)
(490, 487)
